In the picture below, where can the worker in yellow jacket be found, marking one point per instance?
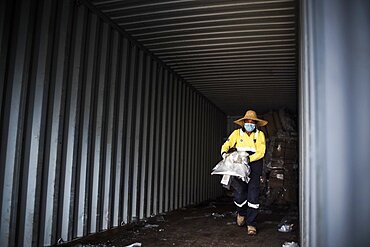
(252, 140)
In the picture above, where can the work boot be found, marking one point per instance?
(240, 220)
(251, 230)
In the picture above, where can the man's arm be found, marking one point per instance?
(260, 148)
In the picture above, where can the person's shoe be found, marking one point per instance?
(240, 220)
(251, 230)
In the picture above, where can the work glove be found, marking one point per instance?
(246, 162)
(224, 155)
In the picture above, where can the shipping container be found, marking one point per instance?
(114, 111)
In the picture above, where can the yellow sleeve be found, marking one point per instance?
(260, 147)
(230, 142)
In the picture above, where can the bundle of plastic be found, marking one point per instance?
(236, 164)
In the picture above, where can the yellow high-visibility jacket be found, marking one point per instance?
(242, 142)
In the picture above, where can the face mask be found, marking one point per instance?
(249, 127)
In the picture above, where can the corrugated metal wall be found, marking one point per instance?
(240, 54)
(95, 132)
(334, 123)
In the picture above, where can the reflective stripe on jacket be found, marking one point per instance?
(242, 142)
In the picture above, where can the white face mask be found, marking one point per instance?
(249, 127)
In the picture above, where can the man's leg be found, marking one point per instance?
(253, 193)
(240, 195)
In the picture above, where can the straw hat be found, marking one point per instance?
(253, 116)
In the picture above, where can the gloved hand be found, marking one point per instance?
(246, 162)
(224, 155)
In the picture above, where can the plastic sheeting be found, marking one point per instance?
(236, 164)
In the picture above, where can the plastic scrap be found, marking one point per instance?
(285, 228)
(285, 225)
(217, 215)
(151, 226)
(290, 244)
(236, 164)
(134, 245)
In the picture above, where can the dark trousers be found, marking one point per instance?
(246, 194)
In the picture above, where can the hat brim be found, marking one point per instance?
(260, 122)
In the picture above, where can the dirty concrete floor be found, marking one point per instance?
(209, 224)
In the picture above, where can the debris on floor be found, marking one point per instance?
(285, 225)
(151, 226)
(290, 244)
(199, 225)
(217, 215)
(134, 245)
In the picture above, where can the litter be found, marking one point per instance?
(285, 228)
(290, 244)
(196, 217)
(231, 223)
(151, 226)
(285, 225)
(134, 245)
(161, 230)
(217, 215)
(236, 164)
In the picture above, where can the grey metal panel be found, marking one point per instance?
(335, 91)
(38, 88)
(119, 166)
(146, 128)
(174, 140)
(109, 143)
(157, 143)
(5, 11)
(187, 145)
(130, 134)
(169, 144)
(197, 148)
(163, 144)
(86, 123)
(53, 159)
(193, 148)
(101, 131)
(203, 154)
(71, 123)
(177, 151)
(154, 90)
(138, 138)
(182, 146)
(12, 127)
(96, 182)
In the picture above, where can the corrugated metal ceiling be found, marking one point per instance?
(239, 54)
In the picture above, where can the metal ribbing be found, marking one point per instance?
(95, 132)
(251, 43)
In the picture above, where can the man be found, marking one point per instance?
(247, 138)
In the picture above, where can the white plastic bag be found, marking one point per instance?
(236, 164)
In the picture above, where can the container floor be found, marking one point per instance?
(210, 224)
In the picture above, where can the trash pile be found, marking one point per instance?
(281, 159)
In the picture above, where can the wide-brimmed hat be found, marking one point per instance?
(253, 116)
